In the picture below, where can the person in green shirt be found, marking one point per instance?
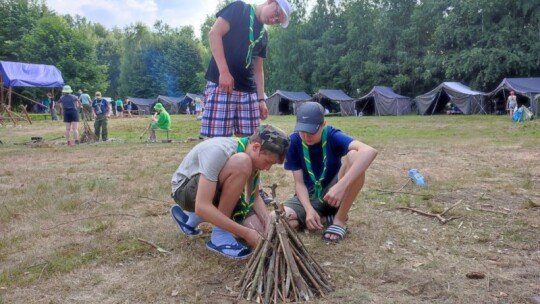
(160, 120)
(119, 107)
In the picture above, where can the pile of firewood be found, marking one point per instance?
(88, 136)
(281, 269)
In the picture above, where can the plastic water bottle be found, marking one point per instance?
(417, 177)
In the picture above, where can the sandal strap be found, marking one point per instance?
(336, 230)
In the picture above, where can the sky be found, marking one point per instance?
(121, 13)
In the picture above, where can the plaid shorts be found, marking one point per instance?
(226, 114)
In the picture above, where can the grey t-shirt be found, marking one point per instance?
(206, 158)
(85, 99)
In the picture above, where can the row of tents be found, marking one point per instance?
(173, 105)
(383, 100)
(379, 101)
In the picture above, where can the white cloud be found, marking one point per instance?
(121, 13)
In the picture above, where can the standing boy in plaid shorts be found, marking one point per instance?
(218, 182)
(234, 95)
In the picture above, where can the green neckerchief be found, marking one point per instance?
(243, 209)
(251, 42)
(316, 182)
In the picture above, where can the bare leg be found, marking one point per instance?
(291, 216)
(75, 131)
(232, 178)
(152, 135)
(66, 132)
(351, 194)
(254, 222)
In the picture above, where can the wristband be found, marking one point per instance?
(259, 100)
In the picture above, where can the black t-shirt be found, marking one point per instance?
(236, 44)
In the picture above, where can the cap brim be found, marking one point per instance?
(285, 22)
(308, 128)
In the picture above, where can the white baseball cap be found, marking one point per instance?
(284, 5)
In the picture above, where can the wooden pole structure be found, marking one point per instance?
(9, 97)
(280, 269)
(29, 99)
(1, 89)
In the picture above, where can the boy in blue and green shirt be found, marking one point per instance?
(328, 168)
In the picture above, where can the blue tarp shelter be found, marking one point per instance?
(286, 102)
(383, 100)
(525, 89)
(461, 96)
(17, 74)
(336, 101)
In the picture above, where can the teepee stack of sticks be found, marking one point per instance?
(88, 135)
(281, 270)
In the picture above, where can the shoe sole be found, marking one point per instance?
(226, 255)
(178, 221)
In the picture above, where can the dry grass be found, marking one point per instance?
(71, 217)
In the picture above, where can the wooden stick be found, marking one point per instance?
(488, 210)
(309, 275)
(451, 207)
(276, 277)
(153, 245)
(437, 216)
(260, 263)
(304, 291)
(301, 245)
(270, 277)
(320, 277)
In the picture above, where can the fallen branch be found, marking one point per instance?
(451, 207)
(440, 217)
(488, 210)
(153, 245)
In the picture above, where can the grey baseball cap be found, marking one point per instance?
(309, 117)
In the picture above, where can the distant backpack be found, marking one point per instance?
(527, 114)
(518, 115)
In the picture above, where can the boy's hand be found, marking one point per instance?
(335, 196)
(252, 238)
(313, 220)
(263, 110)
(226, 82)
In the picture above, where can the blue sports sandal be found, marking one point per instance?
(180, 218)
(243, 251)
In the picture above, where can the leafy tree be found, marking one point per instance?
(18, 18)
(109, 53)
(167, 62)
(135, 79)
(55, 42)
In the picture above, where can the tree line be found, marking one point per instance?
(353, 45)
